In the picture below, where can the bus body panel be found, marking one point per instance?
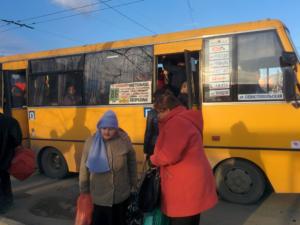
(260, 133)
(66, 128)
(280, 167)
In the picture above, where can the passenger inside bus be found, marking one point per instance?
(71, 97)
(175, 70)
(18, 94)
(183, 95)
(255, 85)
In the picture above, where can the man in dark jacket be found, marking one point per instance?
(151, 133)
(10, 138)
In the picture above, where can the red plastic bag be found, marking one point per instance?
(23, 163)
(84, 210)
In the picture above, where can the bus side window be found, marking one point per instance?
(259, 74)
(108, 72)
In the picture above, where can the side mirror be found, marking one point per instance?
(288, 59)
(289, 84)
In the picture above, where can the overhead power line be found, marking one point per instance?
(64, 11)
(17, 23)
(92, 11)
(191, 12)
(76, 14)
(127, 17)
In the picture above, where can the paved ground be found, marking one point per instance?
(45, 201)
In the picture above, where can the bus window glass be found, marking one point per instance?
(59, 64)
(218, 64)
(18, 88)
(56, 81)
(70, 89)
(44, 90)
(119, 76)
(259, 74)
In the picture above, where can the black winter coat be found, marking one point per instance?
(151, 132)
(10, 138)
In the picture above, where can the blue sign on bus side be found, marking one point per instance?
(31, 115)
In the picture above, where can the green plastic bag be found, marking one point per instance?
(155, 218)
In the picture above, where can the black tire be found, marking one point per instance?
(54, 164)
(240, 181)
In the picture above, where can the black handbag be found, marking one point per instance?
(149, 191)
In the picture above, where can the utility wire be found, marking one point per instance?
(16, 23)
(57, 12)
(127, 17)
(64, 17)
(191, 12)
(63, 11)
(93, 11)
(59, 35)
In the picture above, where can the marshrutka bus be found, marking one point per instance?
(244, 77)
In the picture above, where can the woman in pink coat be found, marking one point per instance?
(187, 182)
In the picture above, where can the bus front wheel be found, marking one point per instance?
(53, 163)
(240, 181)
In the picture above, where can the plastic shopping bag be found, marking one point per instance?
(23, 164)
(84, 210)
(155, 218)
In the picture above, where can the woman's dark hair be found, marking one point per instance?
(165, 99)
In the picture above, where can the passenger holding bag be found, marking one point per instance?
(187, 182)
(108, 171)
(10, 138)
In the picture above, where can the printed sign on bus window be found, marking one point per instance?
(130, 93)
(248, 97)
(219, 85)
(219, 93)
(218, 78)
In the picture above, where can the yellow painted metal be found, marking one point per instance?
(66, 128)
(261, 133)
(20, 114)
(18, 65)
(174, 47)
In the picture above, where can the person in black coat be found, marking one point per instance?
(151, 133)
(10, 138)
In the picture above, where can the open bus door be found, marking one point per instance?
(192, 78)
(14, 97)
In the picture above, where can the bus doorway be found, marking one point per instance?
(179, 72)
(15, 100)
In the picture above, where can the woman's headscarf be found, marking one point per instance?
(97, 161)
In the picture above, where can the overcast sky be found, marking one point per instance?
(65, 23)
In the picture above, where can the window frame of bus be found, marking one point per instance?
(79, 72)
(113, 51)
(234, 82)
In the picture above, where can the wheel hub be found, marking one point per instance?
(238, 181)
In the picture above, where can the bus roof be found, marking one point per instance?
(149, 40)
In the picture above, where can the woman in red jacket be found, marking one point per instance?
(187, 182)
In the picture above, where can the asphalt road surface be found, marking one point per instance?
(44, 201)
